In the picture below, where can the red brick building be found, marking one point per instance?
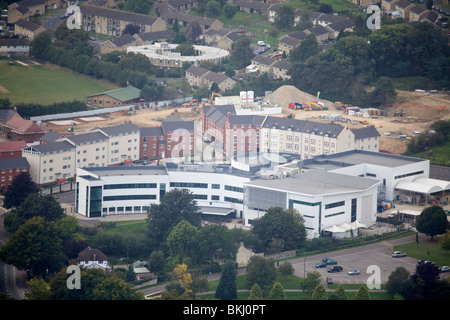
(10, 168)
(11, 149)
(18, 128)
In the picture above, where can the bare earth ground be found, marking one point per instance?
(419, 111)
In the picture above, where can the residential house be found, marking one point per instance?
(280, 70)
(367, 138)
(364, 3)
(112, 22)
(25, 9)
(224, 83)
(263, 63)
(256, 7)
(167, 12)
(120, 43)
(320, 32)
(50, 162)
(286, 43)
(345, 25)
(155, 36)
(430, 17)
(182, 5)
(195, 75)
(6, 115)
(388, 5)
(12, 149)
(18, 128)
(228, 40)
(417, 13)
(27, 29)
(114, 98)
(223, 38)
(14, 48)
(308, 14)
(10, 168)
(123, 143)
(404, 6)
(91, 258)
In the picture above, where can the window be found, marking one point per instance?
(334, 205)
(235, 189)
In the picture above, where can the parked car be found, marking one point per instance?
(321, 265)
(397, 254)
(353, 272)
(444, 269)
(331, 261)
(335, 269)
(329, 280)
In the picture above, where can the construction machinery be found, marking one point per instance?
(295, 106)
(214, 94)
(193, 102)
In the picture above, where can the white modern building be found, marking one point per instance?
(162, 54)
(334, 193)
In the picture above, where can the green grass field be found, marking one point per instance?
(439, 155)
(427, 250)
(46, 84)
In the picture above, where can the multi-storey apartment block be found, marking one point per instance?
(112, 22)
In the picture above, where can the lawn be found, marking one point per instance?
(427, 250)
(439, 155)
(46, 84)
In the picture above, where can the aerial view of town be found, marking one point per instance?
(224, 150)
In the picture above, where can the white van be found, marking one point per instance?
(261, 43)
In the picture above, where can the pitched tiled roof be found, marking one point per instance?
(114, 14)
(197, 71)
(7, 146)
(264, 60)
(123, 40)
(91, 254)
(367, 132)
(152, 132)
(14, 163)
(121, 128)
(14, 42)
(22, 125)
(156, 35)
(28, 25)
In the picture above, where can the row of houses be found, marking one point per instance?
(25, 9)
(201, 77)
(277, 69)
(408, 11)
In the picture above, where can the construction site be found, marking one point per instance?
(412, 113)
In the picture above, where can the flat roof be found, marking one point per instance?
(315, 182)
(354, 157)
(127, 171)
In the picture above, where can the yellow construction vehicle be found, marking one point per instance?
(214, 94)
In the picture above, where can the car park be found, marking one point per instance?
(321, 265)
(397, 254)
(353, 272)
(335, 269)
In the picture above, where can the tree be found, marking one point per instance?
(432, 221)
(399, 282)
(286, 269)
(40, 45)
(319, 293)
(35, 246)
(311, 281)
(261, 271)
(241, 53)
(307, 48)
(114, 288)
(38, 289)
(212, 8)
(326, 8)
(215, 240)
(340, 292)
(176, 26)
(362, 294)
(185, 49)
(193, 31)
(19, 190)
(151, 91)
(285, 18)
(181, 242)
(277, 292)
(227, 290)
(157, 262)
(138, 6)
(255, 293)
(229, 10)
(278, 223)
(131, 29)
(445, 242)
(175, 206)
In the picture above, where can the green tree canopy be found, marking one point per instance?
(241, 53)
(432, 221)
(18, 190)
(319, 293)
(175, 206)
(277, 292)
(261, 271)
(227, 290)
(285, 18)
(277, 223)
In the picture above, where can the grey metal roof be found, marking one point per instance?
(87, 137)
(121, 128)
(298, 125)
(315, 182)
(367, 132)
(51, 136)
(13, 163)
(152, 132)
(53, 146)
(174, 125)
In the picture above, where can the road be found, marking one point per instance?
(12, 280)
(378, 254)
